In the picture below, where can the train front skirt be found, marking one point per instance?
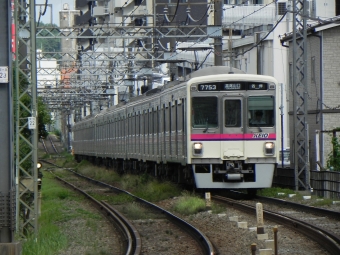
(263, 178)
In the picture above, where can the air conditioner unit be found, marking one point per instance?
(281, 8)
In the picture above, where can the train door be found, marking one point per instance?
(232, 136)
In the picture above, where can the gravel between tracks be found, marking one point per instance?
(231, 240)
(228, 238)
(88, 237)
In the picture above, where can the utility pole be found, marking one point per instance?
(300, 106)
(7, 183)
(218, 40)
(26, 133)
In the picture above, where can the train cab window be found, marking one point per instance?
(232, 111)
(204, 112)
(261, 111)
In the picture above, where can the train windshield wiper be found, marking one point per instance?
(207, 127)
(259, 127)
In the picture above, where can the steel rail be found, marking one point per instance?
(53, 146)
(329, 241)
(135, 246)
(305, 208)
(205, 244)
(44, 145)
(132, 244)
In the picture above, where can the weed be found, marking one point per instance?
(322, 202)
(333, 161)
(63, 194)
(217, 208)
(275, 192)
(187, 204)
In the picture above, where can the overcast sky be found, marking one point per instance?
(57, 5)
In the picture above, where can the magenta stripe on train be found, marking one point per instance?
(233, 137)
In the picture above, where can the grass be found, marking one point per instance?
(95, 172)
(143, 186)
(55, 210)
(323, 202)
(135, 211)
(189, 204)
(50, 237)
(273, 192)
(216, 208)
(155, 191)
(56, 200)
(116, 199)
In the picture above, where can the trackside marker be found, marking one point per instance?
(259, 217)
(208, 200)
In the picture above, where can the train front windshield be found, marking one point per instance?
(204, 112)
(261, 111)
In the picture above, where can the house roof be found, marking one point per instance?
(320, 25)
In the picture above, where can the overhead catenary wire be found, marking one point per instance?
(42, 13)
(146, 63)
(262, 39)
(176, 53)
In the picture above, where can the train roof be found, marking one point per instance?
(213, 70)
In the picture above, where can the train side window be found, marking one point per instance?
(179, 117)
(167, 119)
(232, 111)
(151, 121)
(146, 122)
(173, 118)
(134, 128)
(155, 121)
(204, 112)
(142, 125)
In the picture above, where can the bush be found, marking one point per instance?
(333, 161)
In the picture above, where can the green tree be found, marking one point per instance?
(49, 44)
(333, 161)
(44, 118)
(44, 115)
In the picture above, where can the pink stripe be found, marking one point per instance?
(216, 137)
(205, 136)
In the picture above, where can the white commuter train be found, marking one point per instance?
(201, 130)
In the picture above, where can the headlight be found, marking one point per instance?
(197, 149)
(269, 148)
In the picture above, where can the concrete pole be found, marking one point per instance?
(7, 202)
(6, 125)
(218, 41)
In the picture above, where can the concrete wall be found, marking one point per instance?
(323, 79)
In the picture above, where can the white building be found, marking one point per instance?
(48, 75)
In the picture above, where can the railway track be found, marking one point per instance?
(195, 241)
(225, 235)
(309, 221)
(49, 145)
(131, 242)
(51, 140)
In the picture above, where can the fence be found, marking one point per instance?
(324, 183)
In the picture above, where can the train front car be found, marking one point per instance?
(233, 131)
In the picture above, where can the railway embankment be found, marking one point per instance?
(226, 233)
